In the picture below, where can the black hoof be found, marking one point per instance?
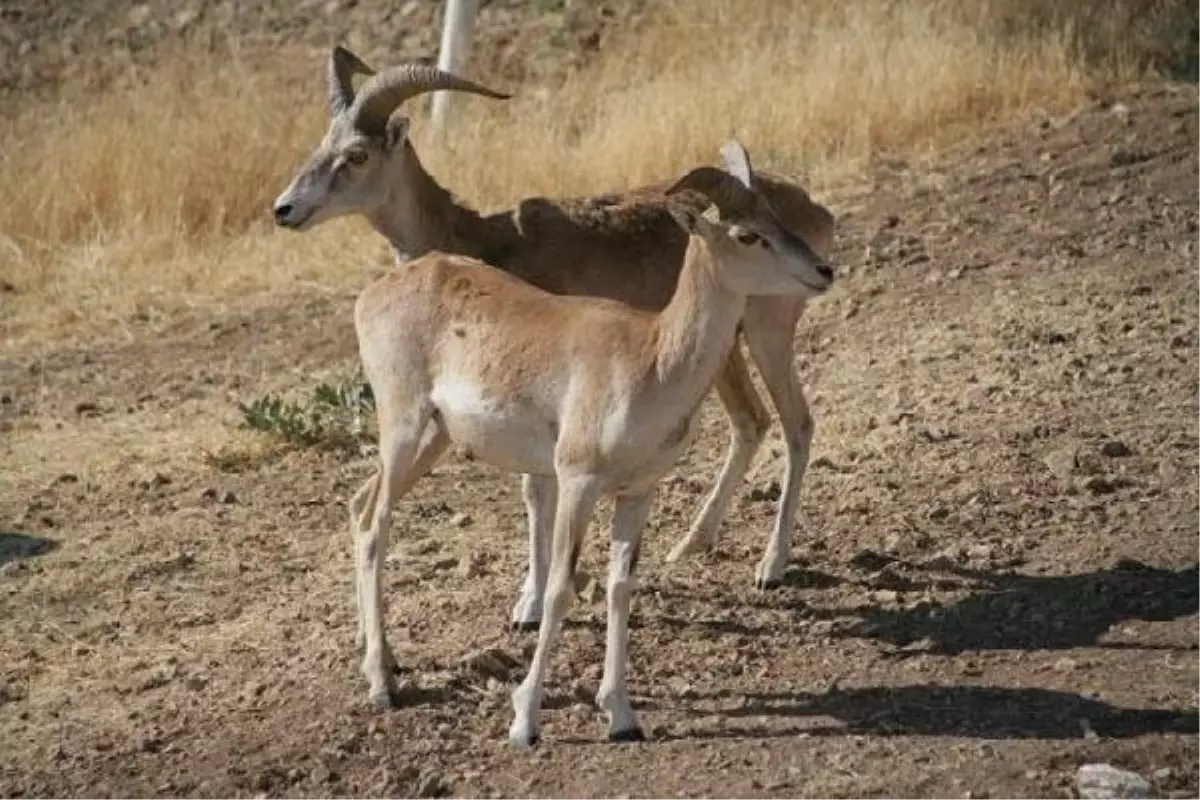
(767, 584)
(525, 627)
(627, 735)
(525, 744)
(387, 701)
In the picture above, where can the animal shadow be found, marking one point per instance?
(974, 711)
(1030, 612)
(21, 546)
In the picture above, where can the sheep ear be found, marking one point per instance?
(691, 220)
(397, 129)
(737, 162)
(685, 217)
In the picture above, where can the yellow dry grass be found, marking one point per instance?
(144, 200)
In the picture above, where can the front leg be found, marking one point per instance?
(540, 502)
(769, 337)
(629, 517)
(577, 497)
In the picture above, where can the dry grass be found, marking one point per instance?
(141, 201)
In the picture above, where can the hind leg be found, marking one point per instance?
(541, 499)
(748, 421)
(433, 445)
(403, 464)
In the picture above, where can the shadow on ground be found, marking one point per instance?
(1026, 612)
(986, 712)
(19, 546)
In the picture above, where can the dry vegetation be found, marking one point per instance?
(135, 202)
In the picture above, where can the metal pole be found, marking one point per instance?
(456, 42)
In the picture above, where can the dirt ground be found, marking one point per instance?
(995, 577)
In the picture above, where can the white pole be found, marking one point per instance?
(456, 41)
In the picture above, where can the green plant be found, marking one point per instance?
(334, 416)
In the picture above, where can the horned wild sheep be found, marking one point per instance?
(591, 396)
(625, 247)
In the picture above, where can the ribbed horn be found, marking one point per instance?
(343, 66)
(383, 93)
(722, 189)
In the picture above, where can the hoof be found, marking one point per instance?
(523, 741)
(385, 701)
(627, 735)
(766, 584)
(524, 626)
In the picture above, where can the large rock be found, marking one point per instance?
(1106, 782)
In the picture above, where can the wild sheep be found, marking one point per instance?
(592, 396)
(620, 246)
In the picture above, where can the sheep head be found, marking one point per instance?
(349, 171)
(753, 250)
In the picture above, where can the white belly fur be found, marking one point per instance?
(510, 436)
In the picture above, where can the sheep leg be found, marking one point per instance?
(769, 336)
(361, 505)
(629, 517)
(540, 493)
(399, 450)
(577, 496)
(748, 421)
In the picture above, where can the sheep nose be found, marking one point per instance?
(826, 272)
(283, 212)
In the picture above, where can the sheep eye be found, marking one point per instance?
(356, 157)
(748, 238)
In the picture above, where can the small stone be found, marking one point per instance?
(461, 520)
(196, 682)
(1114, 448)
(491, 662)
(184, 19)
(229, 498)
(1106, 782)
(468, 566)
(209, 494)
(432, 785)
(980, 552)
(870, 561)
(593, 592)
(770, 494)
(139, 15)
(1065, 665)
(1100, 484)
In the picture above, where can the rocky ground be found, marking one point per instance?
(995, 577)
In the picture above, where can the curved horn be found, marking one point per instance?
(383, 93)
(343, 66)
(722, 189)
